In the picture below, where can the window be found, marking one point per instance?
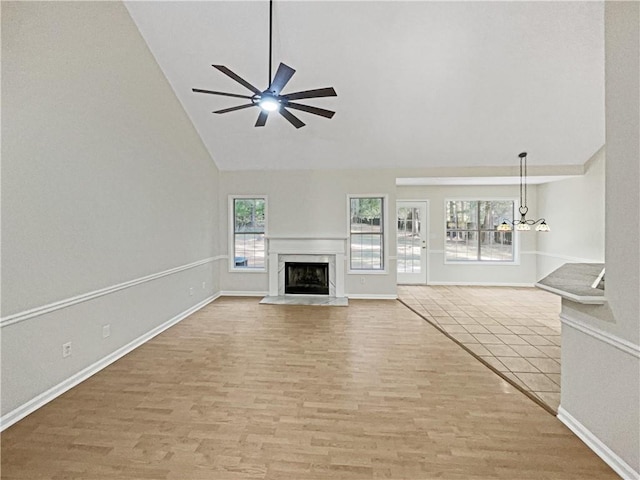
(366, 229)
(249, 217)
(471, 234)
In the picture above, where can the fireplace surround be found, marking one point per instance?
(310, 250)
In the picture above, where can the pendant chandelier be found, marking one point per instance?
(523, 224)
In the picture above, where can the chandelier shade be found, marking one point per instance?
(543, 227)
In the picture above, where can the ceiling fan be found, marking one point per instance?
(271, 99)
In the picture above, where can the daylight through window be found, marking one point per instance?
(366, 233)
(471, 234)
(249, 220)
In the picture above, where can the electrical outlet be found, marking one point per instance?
(190, 291)
(362, 280)
(66, 350)
(204, 285)
(106, 331)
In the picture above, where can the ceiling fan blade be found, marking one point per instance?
(199, 90)
(295, 121)
(262, 118)
(318, 92)
(233, 109)
(237, 78)
(315, 110)
(283, 75)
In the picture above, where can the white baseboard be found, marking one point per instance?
(482, 284)
(371, 296)
(240, 293)
(32, 405)
(621, 467)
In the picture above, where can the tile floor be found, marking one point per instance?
(515, 330)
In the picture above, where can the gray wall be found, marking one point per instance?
(575, 210)
(623, 166)
(600, 345)
(308, 203)
(104, 182)
(522, 273)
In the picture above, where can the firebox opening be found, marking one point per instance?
(306, 278)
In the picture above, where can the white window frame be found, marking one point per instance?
(515, 233)
(385, 234)
(231, 241)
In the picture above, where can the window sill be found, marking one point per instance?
(367, 272)
(476, 262)
(247, 270)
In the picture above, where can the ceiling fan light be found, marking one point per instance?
(543, 227)
(523, 227)
(269, 104)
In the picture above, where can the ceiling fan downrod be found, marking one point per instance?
(270, 38)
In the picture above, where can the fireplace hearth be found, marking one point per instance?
(306, 278)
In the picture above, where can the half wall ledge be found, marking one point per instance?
(575, 282)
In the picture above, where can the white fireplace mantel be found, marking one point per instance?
(307, 245)
(320, 249)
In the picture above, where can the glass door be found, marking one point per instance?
(412, 242)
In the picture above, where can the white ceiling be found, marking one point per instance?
(420, 84)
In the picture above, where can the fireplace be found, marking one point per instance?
(306, 278)
(329, 250)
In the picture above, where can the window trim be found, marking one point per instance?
(231, 234)
(515, 233)
(385, 234)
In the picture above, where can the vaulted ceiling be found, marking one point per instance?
(420, 84)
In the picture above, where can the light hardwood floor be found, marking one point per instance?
(247, 391)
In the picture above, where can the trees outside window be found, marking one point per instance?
(471, 234)
(366, 233)
(249, 226)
